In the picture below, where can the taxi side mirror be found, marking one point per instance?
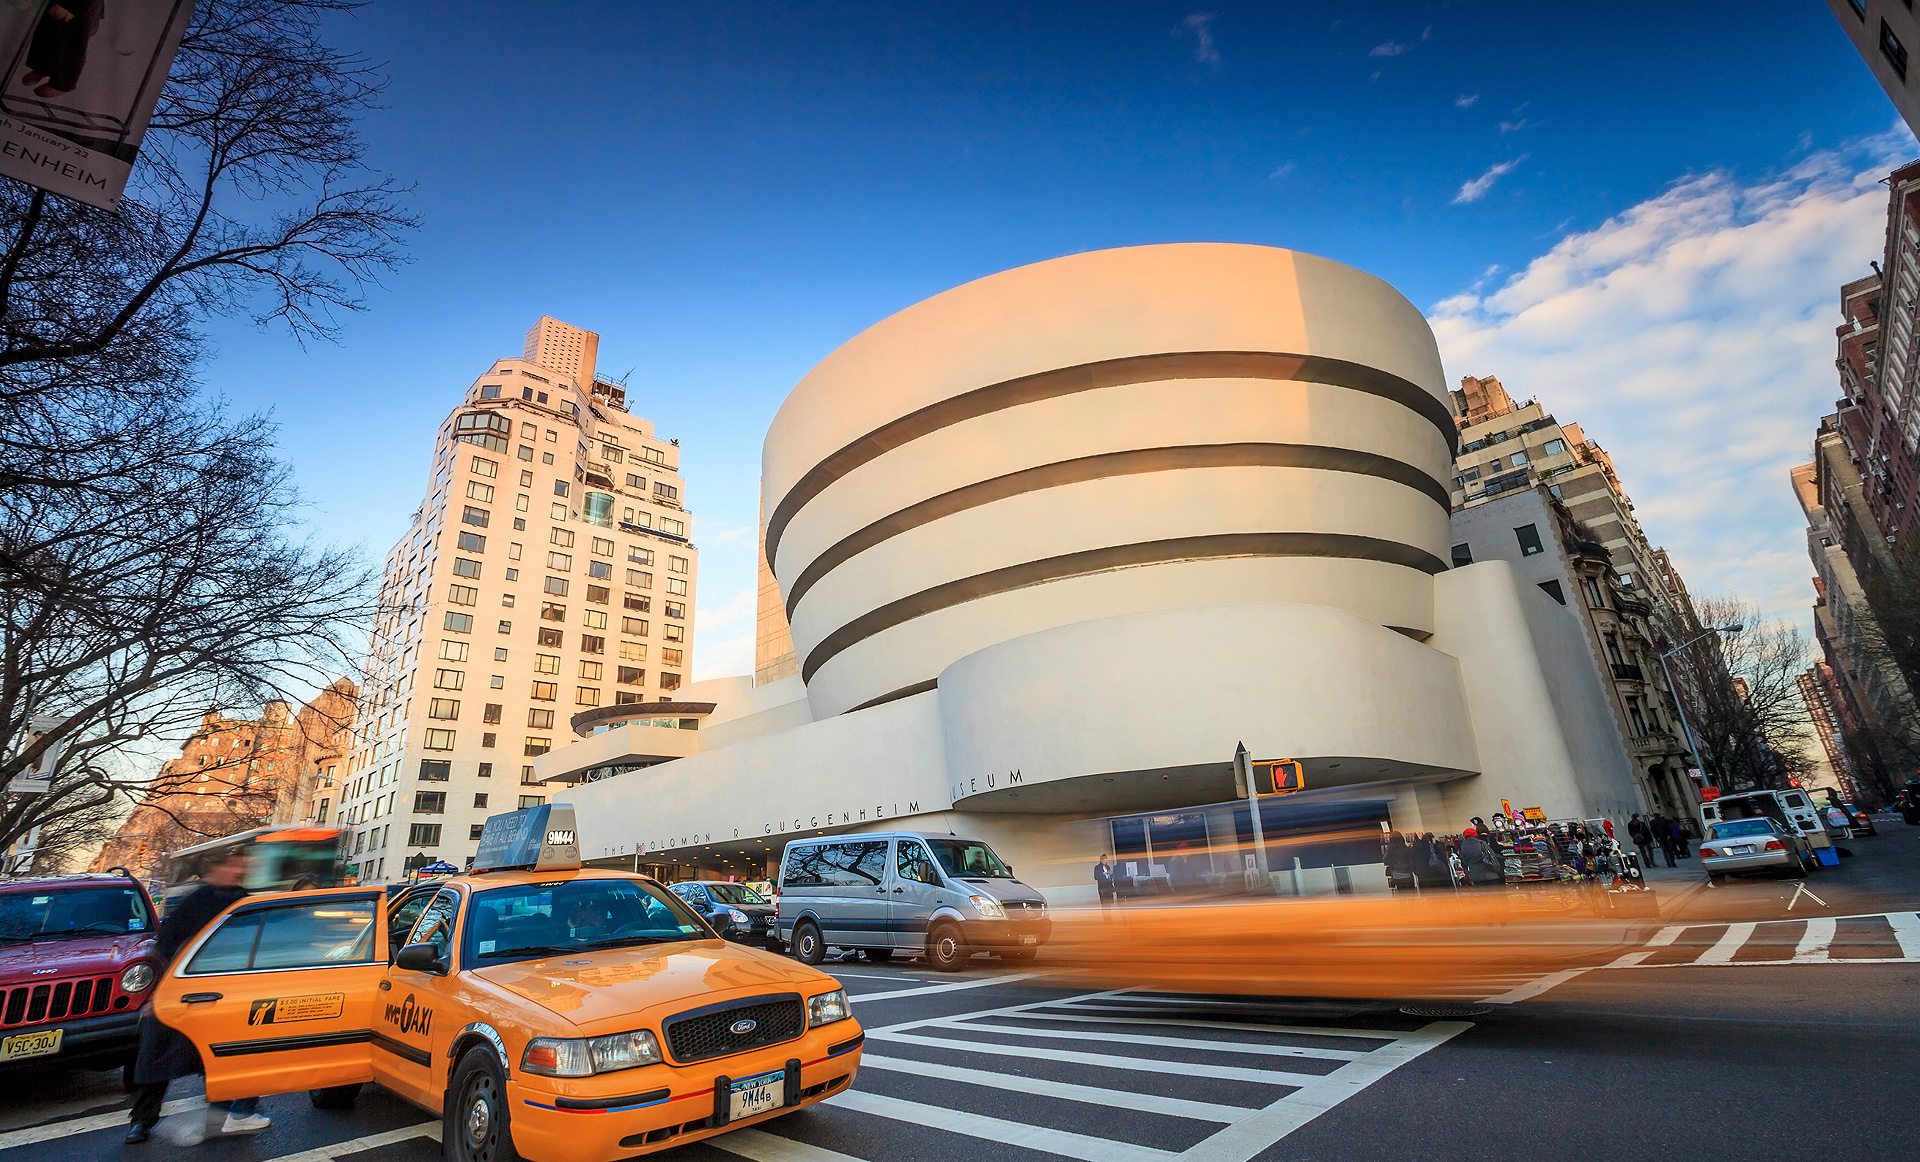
(422, 957)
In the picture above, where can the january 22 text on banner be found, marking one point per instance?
(83, 77)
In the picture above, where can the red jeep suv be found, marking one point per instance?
(76, 964)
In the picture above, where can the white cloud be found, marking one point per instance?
(1692, 337)
(1515, 126)
(1200, 24)
(1390, 48)
(1465, 100)
(1476, 189)
(1282, 171)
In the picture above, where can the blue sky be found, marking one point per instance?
(727, 191)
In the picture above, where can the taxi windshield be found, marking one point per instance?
(735, 894)
(529, 921)
(59, 913)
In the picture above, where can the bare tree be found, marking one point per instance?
(1743, 697)
(127, 609)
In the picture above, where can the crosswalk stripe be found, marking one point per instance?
(1246, 1140)
(1250, 1048)
(985, 982)
(1090, 1094)
(1106, 1060)
(355, 1145)
(1906, 930)
(1817, 942)
(764, 1147)
(1534, 987)
(1051, 1141)
(1188, 1023)
(1728, 944)
(92, 1122)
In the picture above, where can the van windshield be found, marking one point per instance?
(1741, 827)
(969, 857)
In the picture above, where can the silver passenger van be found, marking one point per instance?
(945, 897)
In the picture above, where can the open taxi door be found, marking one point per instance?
(278, 993)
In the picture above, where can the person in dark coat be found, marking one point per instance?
(58, 53)
(1399, 859)
(1683, 836)
(1482, 867)
(1103, 880)
(1424, 856)
(1642, 836)
(1662, 828)
(164, 1053)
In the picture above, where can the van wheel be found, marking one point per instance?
(808, 946)
(334, 1097)
(946, 950)
(476, 1126)
(878, 955)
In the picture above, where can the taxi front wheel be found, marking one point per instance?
(475, 1127)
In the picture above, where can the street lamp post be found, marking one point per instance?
(1680, 703)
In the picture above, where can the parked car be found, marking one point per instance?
(1792, 810)
(1733, 846)
(1861, 821)
(945, 897)
(735, 910)
(76, 964)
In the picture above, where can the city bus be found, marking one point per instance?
(284, 858)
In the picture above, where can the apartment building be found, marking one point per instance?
(1886, 33)
(549, 572)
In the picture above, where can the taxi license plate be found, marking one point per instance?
(44, 1043)
(1029, 940)
(757, 1095)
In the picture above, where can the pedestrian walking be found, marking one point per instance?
(1482, 868)
(1662, 828)
(164, 1053)
(1399, 857)
(1683, 837)
(1103, 881)
(1429, 870)
(1642, 836)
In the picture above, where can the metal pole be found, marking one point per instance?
(1680, 703)
(1243, 771)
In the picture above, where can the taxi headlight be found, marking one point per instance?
(136, 978)
(585, 1056)
(988, 908)
(827, 1008)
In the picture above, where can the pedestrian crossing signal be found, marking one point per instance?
(1277, 777)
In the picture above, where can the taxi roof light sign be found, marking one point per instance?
(539, 838)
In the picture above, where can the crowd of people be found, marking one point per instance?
(1674, 836)
(1509, 851)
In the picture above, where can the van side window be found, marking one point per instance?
(913, 859)
(858, 864)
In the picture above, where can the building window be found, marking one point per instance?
(486, 770)
(668, 657)
(633, 651)
(490, 714)
(477, 517)
(472, 543)
(500, 653)
(1859, 8)
(506, 600)
(1529, 538)
(639, 556)
(591, 644)
(561, 537)
(1893, 50)
(593, 618)
(559, 488)
(475, 830)
(591, 670)
(527, 801)
(462, 595)
(560, 562)
(435, 770)
(486, 742)
(545, 691)
(598, 594)
(423, 835)
(1552, 589)
(457, 622)
(546, 663)
(626, 697)
(526, 777)
(480, 800)
(524, 452)
(487, 429)
(452, 651)
(549, 611)
(639, 579)
(540, 719)
(676, 564)
(669, 681)
(677, 586)
(675, 609)
(480, 490)
(550, 638)
(1613, 650)
(636, 482)
(557, 586)
(487, 468)
(506, 627)
(439, 740)
(630, 675)
(602, 547)
(674, 633)
(429, 802)
(537, 746)
(586, 696)
(600, 570)
(1593, 594)
(448, 708)
(635, 602)
(1553, 447)
(462, 567)
(449, 679)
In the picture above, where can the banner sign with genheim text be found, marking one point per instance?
(82, 79)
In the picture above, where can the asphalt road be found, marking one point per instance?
(1744, 1022)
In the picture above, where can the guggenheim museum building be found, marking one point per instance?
(1042, 550)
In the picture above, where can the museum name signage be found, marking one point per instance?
(840, 818)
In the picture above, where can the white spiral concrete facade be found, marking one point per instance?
(1109, 433)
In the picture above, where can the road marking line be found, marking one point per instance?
(1817, 943)
(355, 1145)
(1780, 963)
(1667, 935)
(87, 1125)
(1246, 1140)
(943, 988)
(764, 1147)
(1906, 930)
(1729, 943)
(1061, 1142)
(1108, 1060)
(1255, 1049)
(1187, 1023)
(924, 1021)
(1091, 1095)
(1533, 988)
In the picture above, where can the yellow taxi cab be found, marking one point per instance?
(542, 1010)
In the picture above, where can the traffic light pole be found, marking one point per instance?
(1243, 774)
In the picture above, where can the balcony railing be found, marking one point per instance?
(1622, 672)
(1657, 742)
